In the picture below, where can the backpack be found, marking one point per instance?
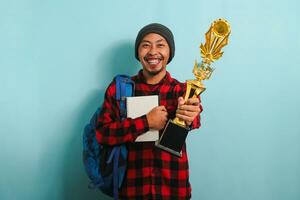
(106, 165)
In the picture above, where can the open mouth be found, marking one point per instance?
(152, 61)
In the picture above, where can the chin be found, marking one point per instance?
(155, 71)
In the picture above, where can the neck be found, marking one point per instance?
(154, 79)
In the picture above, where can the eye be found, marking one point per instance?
(145, 45)
(161, 45)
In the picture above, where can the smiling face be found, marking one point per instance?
(154, 53)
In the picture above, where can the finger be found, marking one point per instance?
(165, 115)
(162, 108)
(180, 101)
(186, 113)
(192, 101)
(165, 119)
(191, 108)
(184, 117)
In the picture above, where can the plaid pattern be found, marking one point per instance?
(152, 173)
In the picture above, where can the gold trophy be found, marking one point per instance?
(175, 132)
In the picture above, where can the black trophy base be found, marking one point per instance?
(172, 138)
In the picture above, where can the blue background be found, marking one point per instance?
(57, 57)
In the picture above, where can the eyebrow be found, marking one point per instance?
(157, 41)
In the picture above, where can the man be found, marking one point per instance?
(152, 173)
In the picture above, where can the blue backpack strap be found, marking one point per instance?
(122, 100)
(115, 173)
(117, 180)
(124, 88)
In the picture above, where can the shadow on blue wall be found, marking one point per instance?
(121, 61)
(74, 178)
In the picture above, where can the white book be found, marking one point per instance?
(138, 106)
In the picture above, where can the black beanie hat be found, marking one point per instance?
(158, 29)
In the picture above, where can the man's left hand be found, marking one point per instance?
(188, 110)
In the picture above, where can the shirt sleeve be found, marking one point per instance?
(110, 129)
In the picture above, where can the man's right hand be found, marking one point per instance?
(157, 118)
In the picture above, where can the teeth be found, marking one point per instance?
(153, 62)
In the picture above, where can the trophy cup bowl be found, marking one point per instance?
(174, 135)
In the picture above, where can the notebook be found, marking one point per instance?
(138, 106)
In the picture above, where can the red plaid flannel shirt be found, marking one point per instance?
(152, 173)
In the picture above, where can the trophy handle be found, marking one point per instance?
(193, 89)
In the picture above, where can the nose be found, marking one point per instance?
(153, 50)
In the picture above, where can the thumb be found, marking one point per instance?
(162, 108)
(180, 101)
